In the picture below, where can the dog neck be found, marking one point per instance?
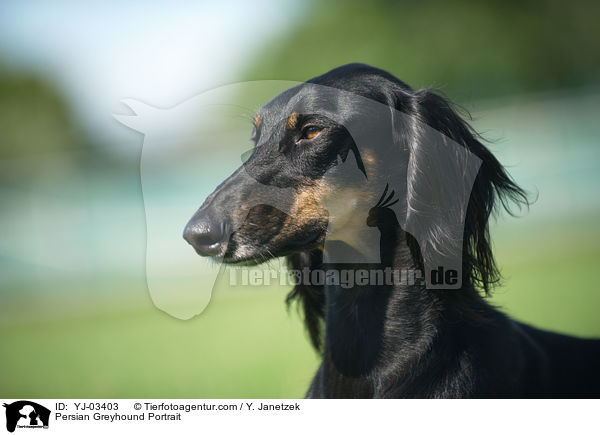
(374, 331)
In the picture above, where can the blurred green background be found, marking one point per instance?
(76, 319)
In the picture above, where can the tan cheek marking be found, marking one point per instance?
(292, 120)
(239, 214)
(369, 160)
(257, 121)
(307, 208)
(368, 157)
(306, 205)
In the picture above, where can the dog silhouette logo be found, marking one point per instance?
(25, 414)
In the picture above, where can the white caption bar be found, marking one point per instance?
(76, 416)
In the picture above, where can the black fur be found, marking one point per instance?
(403, 340)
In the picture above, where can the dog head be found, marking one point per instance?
(324, 152)
(304, 173)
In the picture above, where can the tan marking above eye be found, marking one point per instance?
(257, 121)
(292, 120)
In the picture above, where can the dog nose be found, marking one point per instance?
(206, 235)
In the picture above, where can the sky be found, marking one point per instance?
(161, 53)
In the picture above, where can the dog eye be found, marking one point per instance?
(311, 132)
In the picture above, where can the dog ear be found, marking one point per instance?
(310, 298)
(451, 174)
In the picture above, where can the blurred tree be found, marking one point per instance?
(469, 49)
(38, 128)
(34, 118)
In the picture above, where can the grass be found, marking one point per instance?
(243, 345)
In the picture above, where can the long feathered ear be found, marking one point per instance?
(310, 298)
(429, 194)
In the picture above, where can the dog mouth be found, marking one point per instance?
(309, 240)
(253, 255)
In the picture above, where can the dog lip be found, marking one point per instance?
(250, 261)
(309, 239)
